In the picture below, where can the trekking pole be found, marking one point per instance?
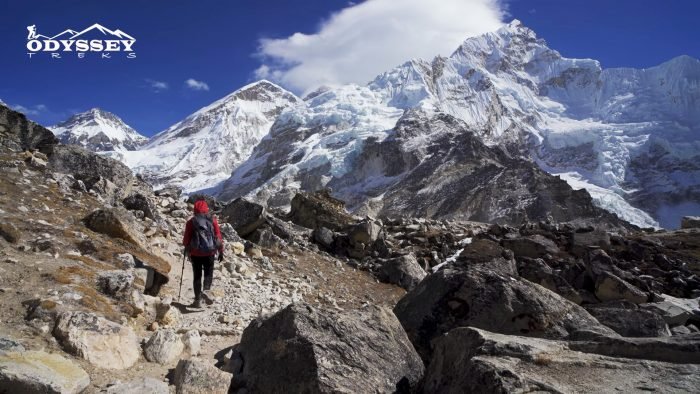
(182, 274)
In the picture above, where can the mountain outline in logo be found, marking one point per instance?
(70, 40)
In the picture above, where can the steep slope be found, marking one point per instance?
(202, 150)
(98, 131)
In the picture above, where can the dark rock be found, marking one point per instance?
(481, 297)
(365, 232)
(116, 283)
(537, 271)
(138, 201)
(533, 246)
(679, 349)
(323, 237)
(229, 233)
(690, 222)
(313, 210)
(10, 233)
(305, 349)
(265, 238)
(169, 191)
(610, 287)
(583, 241)
(630, 322)
(245, 216)
(403, 271)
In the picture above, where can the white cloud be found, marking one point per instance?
(196, 85)
(31, 111)
(157, 86)
(363, 40)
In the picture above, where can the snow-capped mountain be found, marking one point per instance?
(202, 150)
(630, 137)
(98, 130)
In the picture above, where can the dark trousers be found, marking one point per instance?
(202, 264)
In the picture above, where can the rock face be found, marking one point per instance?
(630, 322)
(164, 347)
(472, 360)
(103, 343)
(305, 349)
(244, 216)
(490, 299)
(40, 372)
(196, 376)
(19, 134)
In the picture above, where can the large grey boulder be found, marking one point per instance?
(532, 246)
(610, 287)
(319, 209)
(164, 347)
(101, 342)
(195, 376)
(306, 349)
(245, 216)
(116, 223)
(116, 283)
(490, 299)
(630, 322)
(139, 202)
(40, 372)
(675, 311)
(403, 271)
(469, 360)
(140, 385)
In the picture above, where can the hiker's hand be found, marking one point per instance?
(221, 257)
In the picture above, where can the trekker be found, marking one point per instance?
(202, 240)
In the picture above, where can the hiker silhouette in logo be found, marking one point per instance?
(202, 241)
(32, 32)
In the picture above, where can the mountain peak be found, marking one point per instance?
(98, 130)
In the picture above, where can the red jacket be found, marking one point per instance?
(202, 207)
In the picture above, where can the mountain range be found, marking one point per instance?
(444, 137)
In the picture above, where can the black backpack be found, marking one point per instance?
(203, 239)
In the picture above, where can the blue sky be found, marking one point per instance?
(218, 43)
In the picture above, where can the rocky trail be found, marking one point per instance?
(315, 299)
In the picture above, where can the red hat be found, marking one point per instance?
(201, 207)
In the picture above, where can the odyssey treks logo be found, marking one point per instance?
(96, 40)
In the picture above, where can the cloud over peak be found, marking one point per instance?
(196, 85)
(363, 40)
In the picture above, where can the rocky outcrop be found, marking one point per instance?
(307, 349)
(101, 342)
(403, 271)
(116, 223)
(19, 134)
(473, 360)
(690, 222)
(630, 321)
(40, 372)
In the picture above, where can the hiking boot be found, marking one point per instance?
(207, 297)
(197, 303)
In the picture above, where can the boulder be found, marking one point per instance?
(403, 271)
(675, 311)
(40, 372)
(10, 233)
(469, 360)
(265, 238)
(245, 216)
(690, 222)
(116, 223)
(365, 232)
(116, 283)
(164, 347)
(537, 271)
(139, 385)
(487, 298)
(103, 343)
(138, 201)
(169, 191)
(229, 234)
(306, 349)
(583, 241)
(323, 237)
(609, 287)
(313, 210)
(630, 322)
(196, 376)
(532, 246)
